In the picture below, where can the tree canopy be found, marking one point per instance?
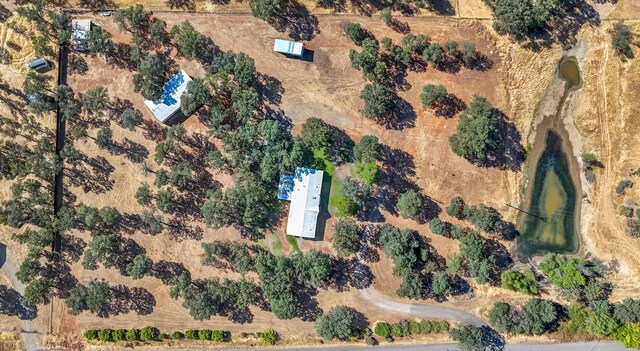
(477, 133)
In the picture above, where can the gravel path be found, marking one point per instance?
(30, 337)
(420, 310)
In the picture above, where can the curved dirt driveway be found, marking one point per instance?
(421, 310)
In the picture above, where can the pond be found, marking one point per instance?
(549, 223)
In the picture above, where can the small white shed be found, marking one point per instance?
(288, 47)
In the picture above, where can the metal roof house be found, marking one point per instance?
(288, 47)
(39, 65)
(305, 201)
(80, 29)
(168, 105)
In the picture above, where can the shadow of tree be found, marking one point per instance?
(450, 107)
(93, 175)
(307, 307)
(395, 177)
(404, 116)
(72, 247)
(14, 304)
(492, 340)
(167, 270)
(121, 57)
(188, 5)
(563, 29)
(123, 299)
(96, 4)
(341, 150)
(5, 13)
(297, 21)
(399, 26)
(269, 89)
(77, 64)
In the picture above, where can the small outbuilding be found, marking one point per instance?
(168, 106)
(304, 190)
(80, 29)
(39, 65)
(288, 47)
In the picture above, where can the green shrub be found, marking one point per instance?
(622, 185)
(396, 330)
(268, 337)
(91, 334)
(191, 334)
(382, 329)
(415, 327)
(132, 334)
(218, 335)
(427, 327)
(104, 334)
(404, 327)
(177, 335)
(628, 335)
(346, 206)
(367, 172)
(118, 334)
(148, 333)
(204, 334)
(164, 336)
(355, 32)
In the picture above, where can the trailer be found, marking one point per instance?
(288, 47)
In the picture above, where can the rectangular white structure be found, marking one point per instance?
(80, 29)
(305, 203)
(288, 47)
(169, 103)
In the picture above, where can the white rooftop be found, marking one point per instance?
(80, 29)
(169, 103)
(305, 203)
(288, 47)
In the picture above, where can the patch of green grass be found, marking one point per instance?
(276, 245)
(293, 243)
(331, 185)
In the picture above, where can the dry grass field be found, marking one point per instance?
(604, 111)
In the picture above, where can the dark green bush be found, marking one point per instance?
(118, 334)
(132, 334)
(204, 334)
(91, 334)
(191, 334)
(104, 334)
(177, 335)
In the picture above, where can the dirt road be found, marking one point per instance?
(30, 337)
(420, 310)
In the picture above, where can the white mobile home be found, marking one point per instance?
(288, 47)
(305, 202)
(169, 104)
(80, 29)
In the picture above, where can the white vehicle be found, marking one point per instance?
(288, 47)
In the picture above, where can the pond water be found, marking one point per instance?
(549, 223)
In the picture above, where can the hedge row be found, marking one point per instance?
(404, 328)
(152, 333)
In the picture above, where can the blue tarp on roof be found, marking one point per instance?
(285, 187)
(302, 171)
(170, 88)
